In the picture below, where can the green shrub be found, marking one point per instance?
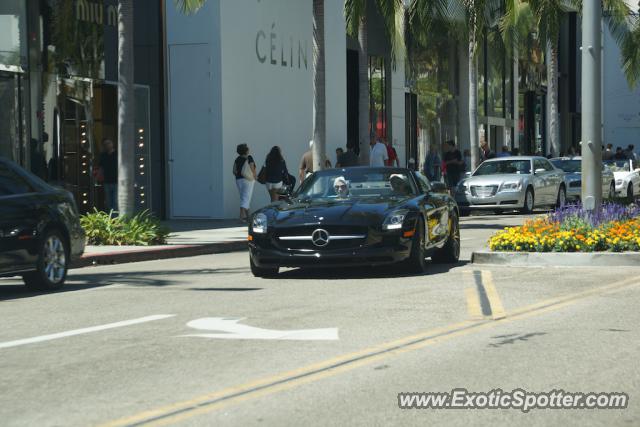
(142, 229)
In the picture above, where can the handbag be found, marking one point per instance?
(262, 175)
(246, 171)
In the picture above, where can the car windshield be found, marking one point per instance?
(357, 183)
(619, 165)
(521, 167)
(569, 166)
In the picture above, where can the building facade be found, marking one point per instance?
(239, 74)
(58, 93)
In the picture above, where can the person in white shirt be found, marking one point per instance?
(378, 154)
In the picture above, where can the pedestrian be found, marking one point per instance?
(630, 153)
(619, 154)
(608, 153)
(485, 151)
(108, 171)
(306, 163)
(244, 169)
(433, 164)
(453, 159)
(391, 154)
(515, 151)
(505, 152)
(339, 152)
(347, 159)
(277, 174)
(379, 155)
(466, 155)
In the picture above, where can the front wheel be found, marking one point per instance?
(417, 263)
(528, 202)
(562, 197)
(612, 190)
(262, 272)
(52, 264)
(450, 252)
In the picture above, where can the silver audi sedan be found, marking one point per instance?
(512, 183)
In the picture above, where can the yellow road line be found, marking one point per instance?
(473, 303)
(212, 401)
(497, 310)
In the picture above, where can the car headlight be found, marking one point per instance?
(259, 223)
(511, 186)
(619, 181)
(463, 187)
(394, 220)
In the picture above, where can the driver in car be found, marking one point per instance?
(341, 187)
(399, 185)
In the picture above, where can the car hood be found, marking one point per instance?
(495, 179)
(343, 212)
(573, 176)
(622, 175)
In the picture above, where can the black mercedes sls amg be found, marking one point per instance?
(361, 216)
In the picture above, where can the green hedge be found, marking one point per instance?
(143, 229)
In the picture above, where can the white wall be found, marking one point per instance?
(266, 104)
(621, 105)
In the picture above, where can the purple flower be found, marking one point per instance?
(608, 212)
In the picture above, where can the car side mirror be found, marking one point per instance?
(539, 170)
(467, 174)
(439, 187)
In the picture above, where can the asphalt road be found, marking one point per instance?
(199, 341)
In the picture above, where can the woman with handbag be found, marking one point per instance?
(244, 169)
(276, 173)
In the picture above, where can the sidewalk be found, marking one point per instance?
(188, 238)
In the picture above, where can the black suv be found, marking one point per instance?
(40, 232)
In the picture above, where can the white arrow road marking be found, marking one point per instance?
(232, 330)
(74, 332)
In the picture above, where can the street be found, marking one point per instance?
(200, 341)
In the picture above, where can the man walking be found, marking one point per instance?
(378, 156)
(432, 164)
(454, 163)
(306, 163)
(347, 159)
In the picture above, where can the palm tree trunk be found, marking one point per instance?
(473, 99)
(553, 125)
(126, 108)
(363, 101)
(319, 93)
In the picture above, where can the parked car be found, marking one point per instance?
(510, 183)
(356, 216)
(572, 166)
(627, 177)
(40, 232)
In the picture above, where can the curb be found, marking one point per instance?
(150, 254)
(557, 259)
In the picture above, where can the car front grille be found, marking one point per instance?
(484, 190)
(340, 237)
(575, 184)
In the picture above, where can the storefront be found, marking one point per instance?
(59, 95)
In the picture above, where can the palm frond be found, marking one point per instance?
(189, 7)
(354, 12)
(630, 52)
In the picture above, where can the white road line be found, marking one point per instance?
(74, 332)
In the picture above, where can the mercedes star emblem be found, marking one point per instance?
(320, 238)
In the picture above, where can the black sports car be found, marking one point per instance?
(40, 232)
(356, 216)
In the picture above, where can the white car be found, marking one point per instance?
(627, 177)
(573, 177)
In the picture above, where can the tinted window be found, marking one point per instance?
(548, 166)
(539, 164)
(570, 166)
(11, 183)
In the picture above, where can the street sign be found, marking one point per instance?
(231, 329)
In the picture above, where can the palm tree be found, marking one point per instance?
(355, 11)
(126, 110)
(319, 93)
